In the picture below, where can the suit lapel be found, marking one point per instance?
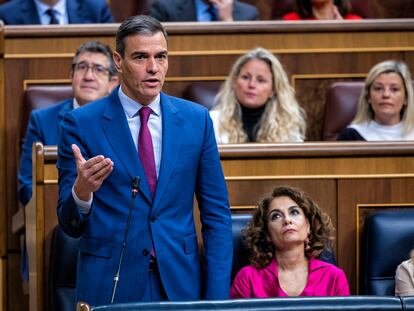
(29, 13)
(68, 106)
(75, 12)
(116, 129)
(171, 141)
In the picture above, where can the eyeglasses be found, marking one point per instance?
(97, 70)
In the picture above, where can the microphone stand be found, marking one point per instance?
(135, 186)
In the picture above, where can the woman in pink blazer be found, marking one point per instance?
(287, 234)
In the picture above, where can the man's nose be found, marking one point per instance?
(152, 65)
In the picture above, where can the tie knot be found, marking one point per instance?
(144, 114)
(53, 17)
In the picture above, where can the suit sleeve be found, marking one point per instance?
(33, 134)
(72, 221)
(211, 193)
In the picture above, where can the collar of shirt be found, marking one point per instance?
(130, 106)
(59, 8)
(75, 103)
(203, 15)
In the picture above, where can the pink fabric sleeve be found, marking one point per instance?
(241, 284)
(342, 286)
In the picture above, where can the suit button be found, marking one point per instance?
(145, 252)
(153, 218)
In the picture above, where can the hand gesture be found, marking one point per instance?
(224, 9)
(336, 14)
(90, 173)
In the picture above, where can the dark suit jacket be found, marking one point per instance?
(184, 11)
(43, 127)
(190, 164)
(24, 12)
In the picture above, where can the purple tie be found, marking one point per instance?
(145, 149)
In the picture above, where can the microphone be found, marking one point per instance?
(135, 186)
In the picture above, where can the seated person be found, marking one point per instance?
(44, 12)
(257, 104)
(202, 10)
(93, 76)
(386, 105)
(321, 9)
(286, 235)
(404, 277)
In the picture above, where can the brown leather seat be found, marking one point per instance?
(340, 107)
(41, 96)
(202, 92)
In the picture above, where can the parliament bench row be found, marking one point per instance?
(340, 108)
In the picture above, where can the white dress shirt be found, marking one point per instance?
(131, 109)
(59, 8)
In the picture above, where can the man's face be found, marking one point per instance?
(90, 77)
(143, 66)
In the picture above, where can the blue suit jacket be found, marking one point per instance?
(43, 127)
(24, 12)
(185, 11)
(190, 164)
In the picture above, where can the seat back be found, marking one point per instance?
(62, 273)
(42, 96)
(387, 240)
(340, 107)
(202, 92)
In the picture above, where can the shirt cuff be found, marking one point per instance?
(84, 206)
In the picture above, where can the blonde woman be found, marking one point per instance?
(386, 105)
(256, 103)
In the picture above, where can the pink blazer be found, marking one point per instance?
(324, 280)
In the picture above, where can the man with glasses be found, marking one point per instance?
(93, 76)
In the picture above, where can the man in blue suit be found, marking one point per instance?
(202, 10)
(35, 12)
(101, 153)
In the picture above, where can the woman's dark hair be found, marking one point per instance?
(256, 234)
(304, 7)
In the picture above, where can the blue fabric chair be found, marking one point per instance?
(387, 240)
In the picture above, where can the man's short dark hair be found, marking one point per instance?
(96, 47)
(139, 24)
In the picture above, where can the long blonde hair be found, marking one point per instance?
(365, 114)
(283, 119)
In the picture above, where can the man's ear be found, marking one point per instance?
(118, 61)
